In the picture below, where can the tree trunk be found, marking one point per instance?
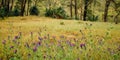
(12, 5)
(2, 3)
(8, 5)
(85, 10)
(81, 10)
(28, 7)
(106, 10)
(23, 4)
(36, 1)
(71, 9)
(75, 9)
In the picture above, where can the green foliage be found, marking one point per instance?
(16, 12)
(91, 16)
(3, 12)
(56, 13)
(34, 10)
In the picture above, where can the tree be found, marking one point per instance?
(117, 9)
(71, 14)
(107, 4)
(23, 6)
(75, 9)
(28, 6)
(86, 4)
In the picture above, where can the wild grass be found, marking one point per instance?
(41, 38)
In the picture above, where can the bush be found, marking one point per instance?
(34, 10)
(91, 16)
(56, 13)
(3, 12)
(16, 12)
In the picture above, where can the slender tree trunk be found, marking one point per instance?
(6, 1)
(75, 9)
(8, 5)
(106, 10)
(23, 7)
(12, 5)
(36, 2)
(71, 9)
(2, 3)
(28, 7)
(85, 10)
(81, 10)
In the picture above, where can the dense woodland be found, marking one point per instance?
(93, 10)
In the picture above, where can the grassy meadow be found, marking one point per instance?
(41, 38)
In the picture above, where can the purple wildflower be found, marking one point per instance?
(72, 44)
(68, 42)
(17, 37)
(15, 51)
(11, 47)
(38, 44)
(83, 45)
(4, 42)
(35, 49)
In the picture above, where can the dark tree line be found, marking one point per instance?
(18, 7)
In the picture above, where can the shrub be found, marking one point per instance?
(16, 12)
(34, 10)
(3, 12)
(49, 12)
(56, 13)
(91, 16)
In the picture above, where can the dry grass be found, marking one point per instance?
(89, 33)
